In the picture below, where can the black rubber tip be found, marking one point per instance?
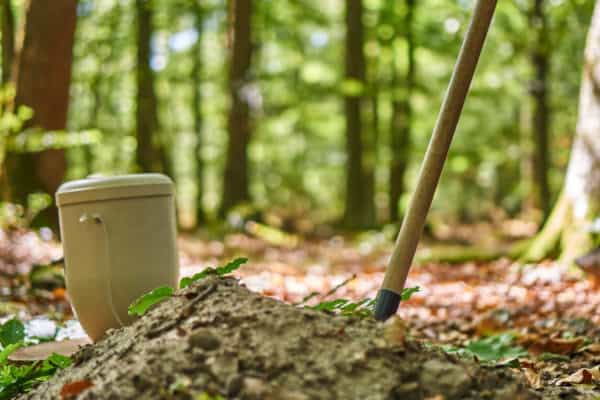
(386, 305)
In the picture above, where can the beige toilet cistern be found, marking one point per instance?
(119, 241)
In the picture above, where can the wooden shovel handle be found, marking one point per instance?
(431, 169)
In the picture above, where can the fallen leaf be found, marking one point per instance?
(593, 348)
(491, 323)
(525, 363)
(72, 389)
(59, 294)
(44, 350)
(534, 378)
(555, 346)
(583, 376)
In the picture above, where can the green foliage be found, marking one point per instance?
(20, 216)
(219, 271)
(144, 302)
(10, 121)
(363, 308)
(19, 379)
(35, 139)
(12, 332)
(408, 292)
(8, 350)
(297, 79)
(553, 357)
(16, 379)
(492, 349)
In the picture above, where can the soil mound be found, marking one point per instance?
(216, 338)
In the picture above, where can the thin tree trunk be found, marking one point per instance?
(42, 75)
(197, 109)
(8, 40)
(93, 119)
(539, 91)
(236, 176)
(148, 157)
(8, 49)
(568, 229)
(360, 208)
(401, 122)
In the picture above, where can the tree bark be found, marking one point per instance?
(236, 175)
(540, 62)
(360, 207)
(197, 109)
(8, 40)
(568, 231)
(42, 70)
(148, 156)
(401, 122)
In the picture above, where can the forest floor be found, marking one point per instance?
(545, 313)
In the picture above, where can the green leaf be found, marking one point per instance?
(59, 360)
(408, 292)
(142, 304)
(12, 332)
(352, 87)
(496, 348)
(330, 305)
(19, 379)
(552, 357)
(344, 307)
(8, 350)
(219, 271)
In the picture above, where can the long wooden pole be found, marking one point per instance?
(389, 295)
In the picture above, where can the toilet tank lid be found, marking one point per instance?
(98, 188)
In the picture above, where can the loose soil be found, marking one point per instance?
(219, 339)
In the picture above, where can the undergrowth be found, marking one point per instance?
(16, 379)
(140, 306)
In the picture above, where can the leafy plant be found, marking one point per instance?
(363, 308)
(492, 349)
(553, 357)
(219, 271)
(144, 302)
(12, 332)
(407, 293)
(18, 379)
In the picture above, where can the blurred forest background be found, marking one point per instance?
(302, 112)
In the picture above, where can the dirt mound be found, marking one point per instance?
(216, 338)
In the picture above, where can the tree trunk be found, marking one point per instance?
(360, 207)
(148, 157)
(540, 63)
(95, 85)
(401, 122)
(197, 109)
(8, 40)
(568, 229)
(236, 175)
(42, 75)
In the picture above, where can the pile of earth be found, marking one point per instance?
(215, 339)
